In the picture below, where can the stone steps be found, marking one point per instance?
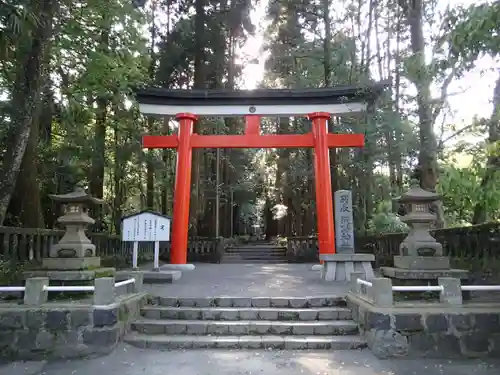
(245, 342)
(247, 313)
(255, 254)
(227, 301)
(245, 327)
(246, 322)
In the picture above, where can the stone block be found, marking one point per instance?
(274, 342)
(461, 322)
(247, 314)
(44, 340)
(407, 274)
(328, 315)
(227, 342)
(297, 302)
(189, 314)
(261, 302)
(259, 328)
(104, 293)
(224, 302)
(229, 315)
(35, 319)
(242, 302)
(239, 329)
(487, 322)
(308, 329)
(475, 343)
(203, 302)
(317, 302)
(386, 344)
(187, 302)
(408, 322)
(288, 315)
(279, 302)
(102, 317)
(278, 328)
(35, 293)
(175, 328)
(57, 320)
(421, 262)
(104, 337)
(377, 321)
(169, 301)
(451, 293)
(12, 318)
(80, 317)
(381, 292)
(268, 314)
(295, 342)
(447, 345)
(196, 329)
(250, 342)
(160, 276)
(26, 339)
(50, 263)
(216, 328)
(308, 314)
(436, 323)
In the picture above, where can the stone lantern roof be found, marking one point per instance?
(77, 196)
(417, 194)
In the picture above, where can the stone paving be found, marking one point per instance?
(249, 280)
(127, 360)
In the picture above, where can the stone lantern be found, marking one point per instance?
(420, 255)
(419, 249)
(73, 260)
(74, 250)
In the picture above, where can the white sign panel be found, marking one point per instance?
(344, 223)
(146, 227)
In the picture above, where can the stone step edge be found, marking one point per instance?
(262, 302)
(291, 342)
(250, 313)
(244, 327)
(309, 323)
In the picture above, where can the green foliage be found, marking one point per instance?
(384, 221)
(474, 31)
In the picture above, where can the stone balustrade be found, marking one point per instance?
(42, 329)
(445, 328)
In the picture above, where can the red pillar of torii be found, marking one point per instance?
(186, 140)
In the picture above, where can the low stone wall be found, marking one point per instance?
(54, 330)
(428, 329)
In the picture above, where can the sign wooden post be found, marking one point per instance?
(146, 226)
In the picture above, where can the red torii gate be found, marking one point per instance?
(254, 105)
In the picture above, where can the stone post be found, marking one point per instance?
(382, 292)
(354, 286)
(139, 281)
(452, 291)
(35, 293)
(104, 293)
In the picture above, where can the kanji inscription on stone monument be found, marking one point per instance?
(344, 230)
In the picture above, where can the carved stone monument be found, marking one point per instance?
(420, 255)
(74, 256)
(339, 266)
(344, 223)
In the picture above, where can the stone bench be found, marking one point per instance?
(338, 267)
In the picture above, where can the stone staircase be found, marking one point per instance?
(256, 253)
(259, 322)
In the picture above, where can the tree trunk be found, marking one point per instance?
(493, 163)
(199, 83)
(30, 57)
(427, 158)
